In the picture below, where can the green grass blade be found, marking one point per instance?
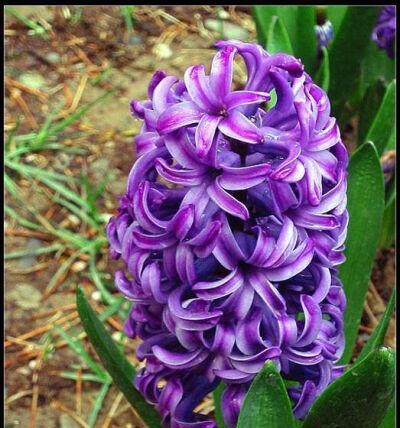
(81, 111)
(33, 251)
(114, 361)
(94, 274)
(98, 404)
(89, 377)
(22, 221)
(77, 346)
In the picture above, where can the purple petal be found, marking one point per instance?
(199, 89)
(177, 360)
(296, 263)
(226, 201)
(206, 240)
(146, 142)
(205, 132)
(240, 98)
(185, 177)
(268, 293)
(185, 264)
(254, 363)
(237, 126)
(221, 288)
(227, 250)
(308, 395)
(177, 116)
(142, 212)
(160, 96)
(182, 221)
(152, 242)
(244, 177)
(141, 167)
(312, 320)
(222, 71)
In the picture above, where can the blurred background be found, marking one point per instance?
(70, 74)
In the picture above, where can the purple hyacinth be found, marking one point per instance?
(231, 230)
(324, 34)
(384, 33)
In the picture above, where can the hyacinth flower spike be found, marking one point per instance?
(231, 229)
(384, 33)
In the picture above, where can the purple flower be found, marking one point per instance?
(384, 33)
(324, 34)
(231, 230)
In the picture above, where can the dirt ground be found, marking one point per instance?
(88, 51)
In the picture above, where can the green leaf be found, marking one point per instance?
(262, 17)
(365, 203)
(267, 403)
(299, 22)
(391, 145)
(75, 344)
(335, 14)
(119, 368)
(369, 108)
(381, 128)
(376, 65)
(305, 46)
(388, 230)
(98, 404)
(217, 395)
(346, 52)
(378, 336)
(359, 398)
(278, 38)
(390, 418)
(322, 76)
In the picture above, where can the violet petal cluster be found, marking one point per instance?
(324, 34)
(384, 33)
(231, 230)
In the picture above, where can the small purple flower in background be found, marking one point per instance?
(324, 34)
(231, 231)
(384, 33)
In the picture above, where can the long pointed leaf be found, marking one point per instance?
(369, 107)
(365, 205)
(359, 398)
(262, 17)
(335, 14)
(389, 420)
(346, 53)
(381, 128)
(322, 75)
(306, 46)
(119, 368)
(217, 394)
(278, 37)
(267, 403)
